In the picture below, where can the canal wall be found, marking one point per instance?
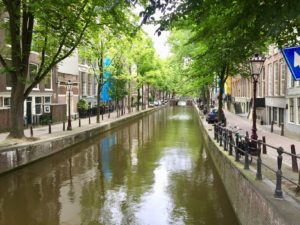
(14, 157)
(252, 200)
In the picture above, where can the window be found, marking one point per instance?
(38, 105)
(95, 86)
(282, 77)
(276, 83)
(275, 114)
(291, 103)
(270, 79)
(291, 78)
(33, 69)
(298, 105)
(89, 85)
(263, 83)
(6, 102)
(47, 100)
(48, 81)
(83, 83)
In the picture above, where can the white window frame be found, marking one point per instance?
(291, 100)
(276, 78)
(40, 104)
(270, 80)
(298, 109)
(4, 101)
(283, 76)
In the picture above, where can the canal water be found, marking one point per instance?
(153, 171)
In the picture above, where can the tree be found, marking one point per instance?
(54, 29)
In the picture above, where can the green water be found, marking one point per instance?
(153, 171)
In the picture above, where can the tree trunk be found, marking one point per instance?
(142, 96)
(138, 99)
(17, 113)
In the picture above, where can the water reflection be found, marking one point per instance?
(153, 171)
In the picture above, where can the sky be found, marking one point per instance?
(160, 42)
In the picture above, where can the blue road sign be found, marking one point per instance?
(292, 58)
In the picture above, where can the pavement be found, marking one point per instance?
(290, 180)
(42, 132)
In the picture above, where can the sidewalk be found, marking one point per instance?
(274, 139)
(42, 132)
(269, 160)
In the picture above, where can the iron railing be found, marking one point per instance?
(239, 145)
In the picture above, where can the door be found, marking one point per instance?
(281, 116)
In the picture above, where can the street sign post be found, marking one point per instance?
(292, 58)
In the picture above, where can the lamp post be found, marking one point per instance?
(69, 87)
(256, 65)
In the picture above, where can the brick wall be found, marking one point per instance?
(4, 120)
(58, 113)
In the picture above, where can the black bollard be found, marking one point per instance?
(282, 129)
(258, 166)
(272, 126)
(89, 119)
(31, 131)
(50, 130)
(230, 142)
(264, 145)
(64, 125)
(79, 122)
(237, 156)
(246, 163)
(278, 191)
(294, 159)
(225, 139)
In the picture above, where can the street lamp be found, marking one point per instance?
(256, 65)
(69, 87)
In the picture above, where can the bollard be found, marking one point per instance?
(75, 118)
(215, 131)
(50, 127)
(230, 142)
(246, 162)
(278, 191)
(225, 139)
(221, 136)
(294, 159)
(272, 124)
(247, 134)
(258, 166)
(79, 122)
(64, 125)
(31, 131)
(298, 186)
(282, 129)
(264, 145)
(102, 116)
(237, 156)
(89, 119)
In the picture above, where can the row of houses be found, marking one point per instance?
(278, 94)
(51, 95)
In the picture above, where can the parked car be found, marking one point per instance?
(212, 117)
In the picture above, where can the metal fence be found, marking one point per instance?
(242, 146)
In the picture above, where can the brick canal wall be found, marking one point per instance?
(252, 200)
(21, 155)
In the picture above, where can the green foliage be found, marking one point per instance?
(45, 119)
(82, 104)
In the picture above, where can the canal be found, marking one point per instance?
(153, 171)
